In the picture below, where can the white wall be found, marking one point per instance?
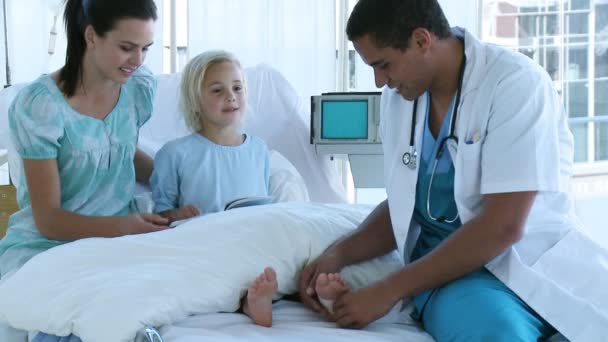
(2, 59)
(463, 13)
(29, 23)
(295, 37)
(154, 59)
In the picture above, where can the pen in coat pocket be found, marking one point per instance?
(474, 138)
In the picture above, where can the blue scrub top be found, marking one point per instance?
(442, 202)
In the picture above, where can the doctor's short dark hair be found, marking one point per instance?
(103, 16)
(390, 23)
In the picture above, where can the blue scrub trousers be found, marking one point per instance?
(479, 307)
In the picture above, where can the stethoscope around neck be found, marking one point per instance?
(410, 158)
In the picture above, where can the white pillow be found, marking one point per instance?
(286, 183)
(107, 289)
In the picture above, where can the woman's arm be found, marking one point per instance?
(58, 224)
(143, 166)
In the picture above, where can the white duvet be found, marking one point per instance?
(107, 289)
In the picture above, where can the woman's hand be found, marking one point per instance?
(358, 308)
(145, 223)
(328, 262)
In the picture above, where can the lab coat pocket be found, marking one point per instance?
(467, 182)
(471, 151)
(470, 166)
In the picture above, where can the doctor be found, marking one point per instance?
(478, 161)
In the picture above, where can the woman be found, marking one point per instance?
(76, 132)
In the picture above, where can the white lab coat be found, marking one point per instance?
(521, 142)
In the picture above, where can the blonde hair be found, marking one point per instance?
(193, 76)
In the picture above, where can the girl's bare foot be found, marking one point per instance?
(258, 304)
(328, 287)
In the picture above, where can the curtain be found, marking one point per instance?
(296, 37)
(29, 24)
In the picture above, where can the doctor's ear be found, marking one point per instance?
(421, 38)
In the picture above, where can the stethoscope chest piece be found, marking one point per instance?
(409, 159)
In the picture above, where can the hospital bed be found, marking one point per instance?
(272, 99)
(298, 173)
(280, 117)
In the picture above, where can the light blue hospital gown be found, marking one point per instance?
(193, 170)
(478, 306)
(94, 157)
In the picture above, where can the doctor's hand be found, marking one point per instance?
(328, 262)
(358, 308)
(145, 223)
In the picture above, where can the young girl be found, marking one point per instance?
(76, 132)
(217, 163)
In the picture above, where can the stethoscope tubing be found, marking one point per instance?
(409, 158)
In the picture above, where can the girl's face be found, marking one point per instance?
(118, 53)
(223, 95)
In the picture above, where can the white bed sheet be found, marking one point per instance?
(291, 322)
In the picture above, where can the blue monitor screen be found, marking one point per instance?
(344, 119)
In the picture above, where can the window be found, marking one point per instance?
(355, 75)
(569, 38)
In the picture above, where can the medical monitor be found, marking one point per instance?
(339, 118)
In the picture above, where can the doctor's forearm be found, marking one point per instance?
(469, 248)
(465, 251)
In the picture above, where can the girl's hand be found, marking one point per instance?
(180, 213)
(145, 223)
(186, 212)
